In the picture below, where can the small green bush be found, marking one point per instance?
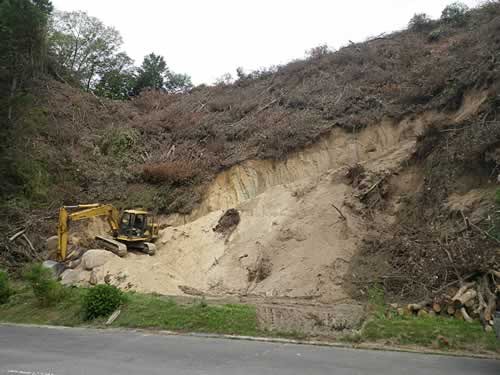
(47, 290)
(5, 290)
(435, 35)
(101, 300)
(455, 14)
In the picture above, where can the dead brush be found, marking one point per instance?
(177, 171)
(261, 270)
(355, 174)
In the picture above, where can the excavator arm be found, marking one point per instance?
(84, 211)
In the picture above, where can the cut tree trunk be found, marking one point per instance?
(466, 296)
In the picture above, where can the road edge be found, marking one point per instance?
(276, 340)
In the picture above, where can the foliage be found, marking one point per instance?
(435, 35)
(22, 49)
(101, 300)
(5, 289)
(47, 290)
(84, 48)
(178, 82)
(420, 22)
(455, 14)
(118, 141)
(154, 74)
(118, 79)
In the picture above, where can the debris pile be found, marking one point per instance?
(228, 221)
(473, 300)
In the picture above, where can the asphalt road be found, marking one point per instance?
(54, 351)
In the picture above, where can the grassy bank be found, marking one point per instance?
(158, 312)
(434, 331)
(139, 311)
(386, 325)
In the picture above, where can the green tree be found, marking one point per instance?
(420, 22)
(118, 79)
(152, 73)
(22, 47)
(83, 46)
(178, 82)
(455, 14)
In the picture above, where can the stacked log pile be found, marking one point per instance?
(473, 300)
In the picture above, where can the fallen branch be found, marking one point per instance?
(21, 232)
(363, 195)
(29, 242)
(465, 315)
(466, 297)
(462, 290)
(485, 233)
(340, 212)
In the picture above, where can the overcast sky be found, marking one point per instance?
(206, 39)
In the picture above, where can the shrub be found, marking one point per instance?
(435, 35)
(101, 300)
(455, 14)
(420, 22)
(318, 51)
(177, 171)
(5, 291)
(47, 290)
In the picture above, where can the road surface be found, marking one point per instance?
(55, 351)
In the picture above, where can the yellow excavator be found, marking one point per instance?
(133, 229)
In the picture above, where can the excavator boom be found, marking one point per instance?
(85, 211)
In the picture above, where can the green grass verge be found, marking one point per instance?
(140, 311)
(437, 332)
(434, 331)
(158, 312)
(145, 311)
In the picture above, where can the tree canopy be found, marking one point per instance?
(83, 46)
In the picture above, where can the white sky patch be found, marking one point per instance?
(206, 39)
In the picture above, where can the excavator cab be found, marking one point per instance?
(135, 223)
(136, 227)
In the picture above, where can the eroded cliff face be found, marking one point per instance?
(336, 150)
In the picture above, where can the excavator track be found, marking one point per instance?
(149, 248)
(113, 245)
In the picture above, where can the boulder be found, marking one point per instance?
(73, 263)
(96, 258)
(56, 267)
(52, 243)
(75, 277)
(93, 278)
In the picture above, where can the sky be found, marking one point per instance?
(208, 38)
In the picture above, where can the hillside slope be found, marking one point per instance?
(399, 133)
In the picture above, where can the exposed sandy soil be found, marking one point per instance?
(291, 241)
